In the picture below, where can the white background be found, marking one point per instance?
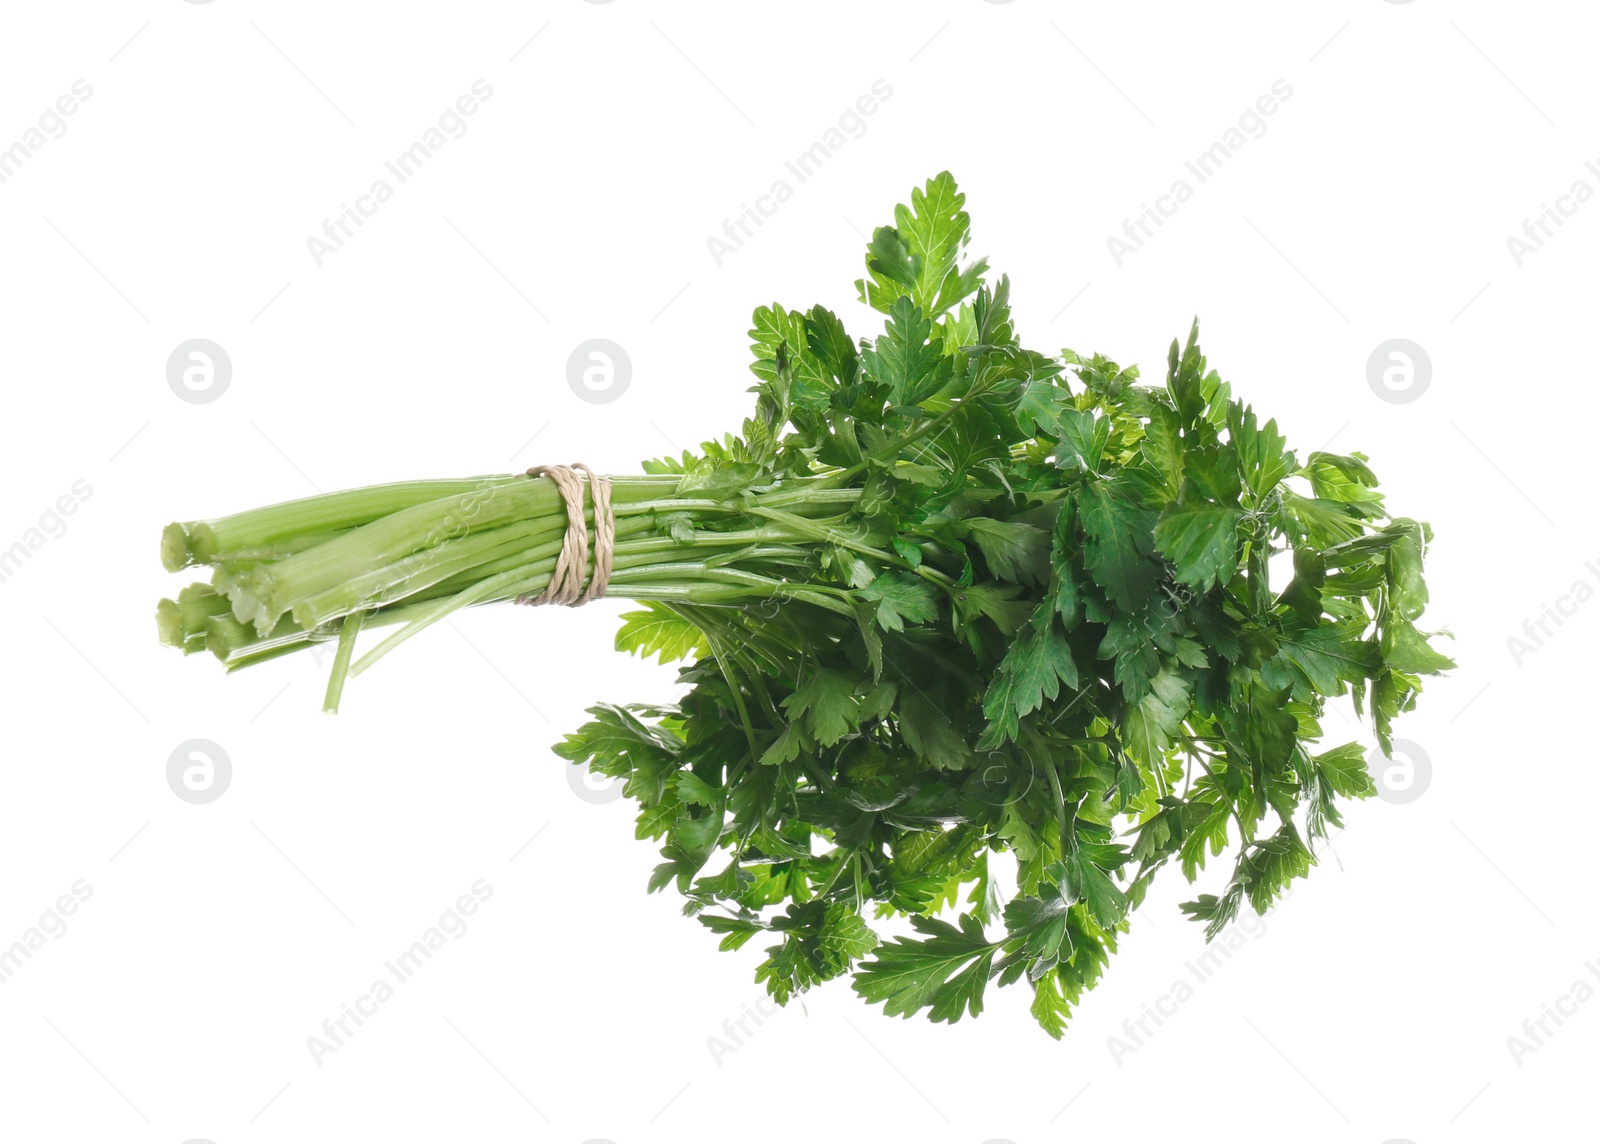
(177, 205)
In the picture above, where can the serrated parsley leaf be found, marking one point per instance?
(901, 599)
(1039, 662)
(658, 631)
(828, 703)
(1201, 543)
(1120, 541)
(903, 361)
(1015, 550)
(945, 973)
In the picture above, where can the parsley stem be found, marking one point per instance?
(341, 661)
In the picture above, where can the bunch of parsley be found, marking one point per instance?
(1063, 616)
(972, 630)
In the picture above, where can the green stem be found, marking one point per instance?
(341, 661)
(205, 541)
(737, 693)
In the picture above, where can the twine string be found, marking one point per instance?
(566, 586)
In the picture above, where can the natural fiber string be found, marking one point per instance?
(566, 581)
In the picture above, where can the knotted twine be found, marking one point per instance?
(566, 581)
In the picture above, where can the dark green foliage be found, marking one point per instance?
(1045, 627)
